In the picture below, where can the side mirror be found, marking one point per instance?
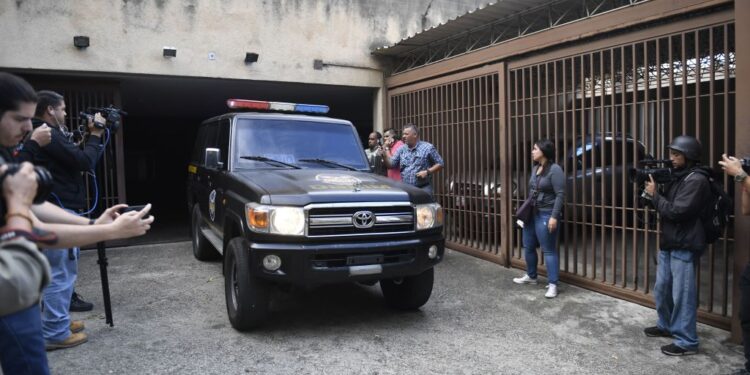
(213, 157)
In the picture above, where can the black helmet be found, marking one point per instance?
(688, 146)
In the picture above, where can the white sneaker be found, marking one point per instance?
(524, 280)
(551, 291)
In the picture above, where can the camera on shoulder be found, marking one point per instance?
(111, 114)
(650, 168)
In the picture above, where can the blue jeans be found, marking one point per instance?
(21, 343)
(535, 233)
(676, 297)
(56, 297)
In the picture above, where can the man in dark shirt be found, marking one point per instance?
(681, 242)
(66, 161)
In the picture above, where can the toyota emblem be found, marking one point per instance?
(363, 219)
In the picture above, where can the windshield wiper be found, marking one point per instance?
(324, 161)
(269, 161)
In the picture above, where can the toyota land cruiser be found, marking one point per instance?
(288, 198)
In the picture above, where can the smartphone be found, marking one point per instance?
(131, 208)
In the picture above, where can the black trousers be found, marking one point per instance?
(745, 313)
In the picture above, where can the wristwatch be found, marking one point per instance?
(740, 177)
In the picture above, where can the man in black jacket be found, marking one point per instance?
(681, 242)
(68, 163)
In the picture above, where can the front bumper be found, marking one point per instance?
(339, 262)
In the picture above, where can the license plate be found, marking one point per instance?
(356, 260)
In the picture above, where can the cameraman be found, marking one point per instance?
(23, 270)
(733, 167)
(681, 242)
(66, 161)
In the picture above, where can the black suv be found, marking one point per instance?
(597, 171)
(289, 199)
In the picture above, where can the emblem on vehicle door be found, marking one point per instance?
(363, 219)
(212, 205)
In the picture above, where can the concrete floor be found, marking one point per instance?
(170, 318)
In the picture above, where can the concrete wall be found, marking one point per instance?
(127, 36)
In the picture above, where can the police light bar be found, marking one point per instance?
(276, 106)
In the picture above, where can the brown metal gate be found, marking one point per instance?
(460, 116)
(606, 104)
(608, 109)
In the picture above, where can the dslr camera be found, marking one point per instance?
(43, 180)
(650, 167)
(111, 114)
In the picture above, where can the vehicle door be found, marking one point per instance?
(218, 175)
(197, 189)
(206, 174)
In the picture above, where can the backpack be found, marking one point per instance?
(716, 214)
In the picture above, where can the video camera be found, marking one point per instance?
(661, 175)
(111, 114)
(43, 180)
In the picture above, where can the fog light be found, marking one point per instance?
(432, 252)
(271, 262)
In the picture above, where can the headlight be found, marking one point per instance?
(429, 216)
(289, 221)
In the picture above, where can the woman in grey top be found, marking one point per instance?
(548, 183)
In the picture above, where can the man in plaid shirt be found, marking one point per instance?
(418, 161)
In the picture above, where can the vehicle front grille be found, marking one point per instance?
(333, 220)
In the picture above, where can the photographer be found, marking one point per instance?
(24, 272)
(66, 161)
(733, 167)
(682, 239)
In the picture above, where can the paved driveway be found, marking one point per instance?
(170, 318)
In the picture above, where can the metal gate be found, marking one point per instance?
(606, 105)
(460, 116)
(608, 109)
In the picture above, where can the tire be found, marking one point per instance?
(202, 249)
(409, 293)
(247, 296)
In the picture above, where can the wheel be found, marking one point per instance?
(202, 249)
(247, 296)
(409, 293)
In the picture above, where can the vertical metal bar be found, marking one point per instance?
(684, 84)
(602, 185)
(728, 290)
(634, 131)
(613, 115)
(565, 136)
(584, 186)
(623, 114)
(646, 125)
(711, 124)
(573, 127)
(592, 131)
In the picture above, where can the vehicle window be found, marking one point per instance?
(223, 139)
(200, 143)
(291, 141)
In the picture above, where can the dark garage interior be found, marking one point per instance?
(163, 117)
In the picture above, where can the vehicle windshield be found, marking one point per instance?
(297, 143)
